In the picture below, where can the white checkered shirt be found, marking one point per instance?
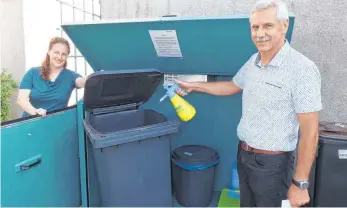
(273, 95)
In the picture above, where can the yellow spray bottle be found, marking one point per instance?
(185, 110)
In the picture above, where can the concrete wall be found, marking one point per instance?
(12, 43)
(319, 33)
(40, 25)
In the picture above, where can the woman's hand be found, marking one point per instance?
(80, 82)
(40, 111)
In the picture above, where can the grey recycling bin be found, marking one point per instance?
(131, 146)
(330, 172)
(193, 168)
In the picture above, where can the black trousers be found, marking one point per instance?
(264, 178)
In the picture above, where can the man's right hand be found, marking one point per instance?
(221, 88)
(186, 86)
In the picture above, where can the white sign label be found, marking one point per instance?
(341, 125)
(166, 43)
(286, 204)
(169, 78)
(342, 154)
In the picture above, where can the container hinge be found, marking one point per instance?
(114, 109)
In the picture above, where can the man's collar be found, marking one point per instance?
(278, 58)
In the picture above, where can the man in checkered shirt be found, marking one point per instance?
(281, 92)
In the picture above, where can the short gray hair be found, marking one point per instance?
(282, 13)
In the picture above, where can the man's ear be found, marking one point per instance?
(285, 26)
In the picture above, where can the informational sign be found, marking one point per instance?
(169, 78)
(342, 154)
(166, 43)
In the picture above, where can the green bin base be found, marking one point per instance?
(226, 201)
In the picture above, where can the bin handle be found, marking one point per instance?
(88, 128)
(29, 163)
(26, 167)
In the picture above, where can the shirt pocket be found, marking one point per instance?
(273, 90)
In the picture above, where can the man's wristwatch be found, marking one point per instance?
(301, 184)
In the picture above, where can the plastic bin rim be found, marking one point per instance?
(196, 167)
(101, 134)
(130, 135)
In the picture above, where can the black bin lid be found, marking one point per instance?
(332, 132)
(114, 88)
(195, 155)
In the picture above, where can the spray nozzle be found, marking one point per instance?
(170, 91)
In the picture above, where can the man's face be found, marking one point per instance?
(267, 32)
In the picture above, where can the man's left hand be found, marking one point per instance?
(297, 196)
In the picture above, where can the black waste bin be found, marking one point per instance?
(131, 146)
(193, 174)
(330, 181)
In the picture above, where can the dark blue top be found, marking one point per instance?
(47, 94)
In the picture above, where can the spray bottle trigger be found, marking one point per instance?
(171, 90)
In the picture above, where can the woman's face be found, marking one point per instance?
(58, 55)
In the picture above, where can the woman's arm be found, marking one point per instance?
(24, 102)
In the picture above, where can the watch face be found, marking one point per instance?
(304, 185)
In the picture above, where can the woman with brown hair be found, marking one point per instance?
(49, 86)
